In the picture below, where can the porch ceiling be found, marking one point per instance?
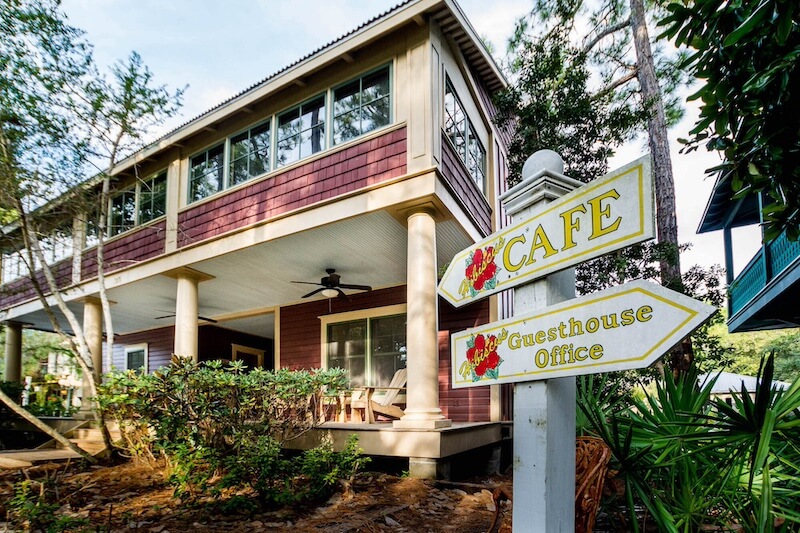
(248, 284)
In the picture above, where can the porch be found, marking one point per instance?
(761, 295)
(430, 451)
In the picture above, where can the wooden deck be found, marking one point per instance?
(13, 459)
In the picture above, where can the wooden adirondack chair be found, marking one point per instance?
(366, 402)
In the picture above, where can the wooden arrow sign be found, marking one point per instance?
(621, 328)
(604, 215)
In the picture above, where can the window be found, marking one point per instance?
(462, 135)
(153, 198)
(145, 201)
(13, 267)
(301, 131)
(361, 106)
(206, 173)
(370, 349)
(249, 154)
(251, 357)
(136, 358)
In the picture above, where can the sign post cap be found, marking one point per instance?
(542, 160)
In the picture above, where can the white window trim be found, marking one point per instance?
(136, 347)
(248, 350)
(373, 312)
(469, 125)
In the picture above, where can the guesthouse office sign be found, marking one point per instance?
(604, 215)
(625, 327)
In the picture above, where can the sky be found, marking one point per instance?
(219, 48)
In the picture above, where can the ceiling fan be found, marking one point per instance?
(331, 286)
(204, 318)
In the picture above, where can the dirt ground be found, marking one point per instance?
(130, 497)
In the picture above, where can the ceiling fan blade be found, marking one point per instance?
(306, 282)
(342, 295)
(207, 319)
(356, 287)
(165, 316)
(312, 293)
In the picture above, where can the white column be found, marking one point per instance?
(422, 395)
(544, 411)
(186, 309)
(93, 332)
(13, 370)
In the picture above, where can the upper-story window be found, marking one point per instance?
(145, 201)
(206, 173)
(250, 153)
(301, 131)
(361, 106)
(14, 267)
(358, 107)
(461, 132)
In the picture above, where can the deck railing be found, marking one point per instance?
(766, 265)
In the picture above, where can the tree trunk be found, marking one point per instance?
(666, 221)
(52, 433)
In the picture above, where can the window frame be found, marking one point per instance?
(363, 314)
(136, 188)
(469, 133)
(273, 120)
(360, 80)
(129, 348)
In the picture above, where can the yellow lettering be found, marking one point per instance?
(552, 334)
(644, 313)
(571, 225)
(627, 317)
(514, 341)
(599, 212)
(541, 358)
(540, 337)
(578, 351)
(592, 325)
(540, 240)
(507, 264)
(596, 351)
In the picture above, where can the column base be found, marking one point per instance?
(423, 420)
(426, 468)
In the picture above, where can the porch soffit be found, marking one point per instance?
(247, 284)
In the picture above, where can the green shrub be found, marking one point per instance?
(210, 419)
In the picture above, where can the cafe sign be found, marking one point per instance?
(604, 215)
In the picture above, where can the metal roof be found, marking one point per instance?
(729, 382)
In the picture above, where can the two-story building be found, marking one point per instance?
(376, 156)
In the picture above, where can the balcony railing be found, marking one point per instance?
(767, 264)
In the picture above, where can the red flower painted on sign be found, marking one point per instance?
(481, 270)
(483, 355)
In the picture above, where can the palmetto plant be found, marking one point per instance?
(687, 461)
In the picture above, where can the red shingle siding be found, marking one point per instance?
(505, 132)
(469, 404)
(472, 200)
(21, 290)
(301, 332)
(136, 246)
(373, 161)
